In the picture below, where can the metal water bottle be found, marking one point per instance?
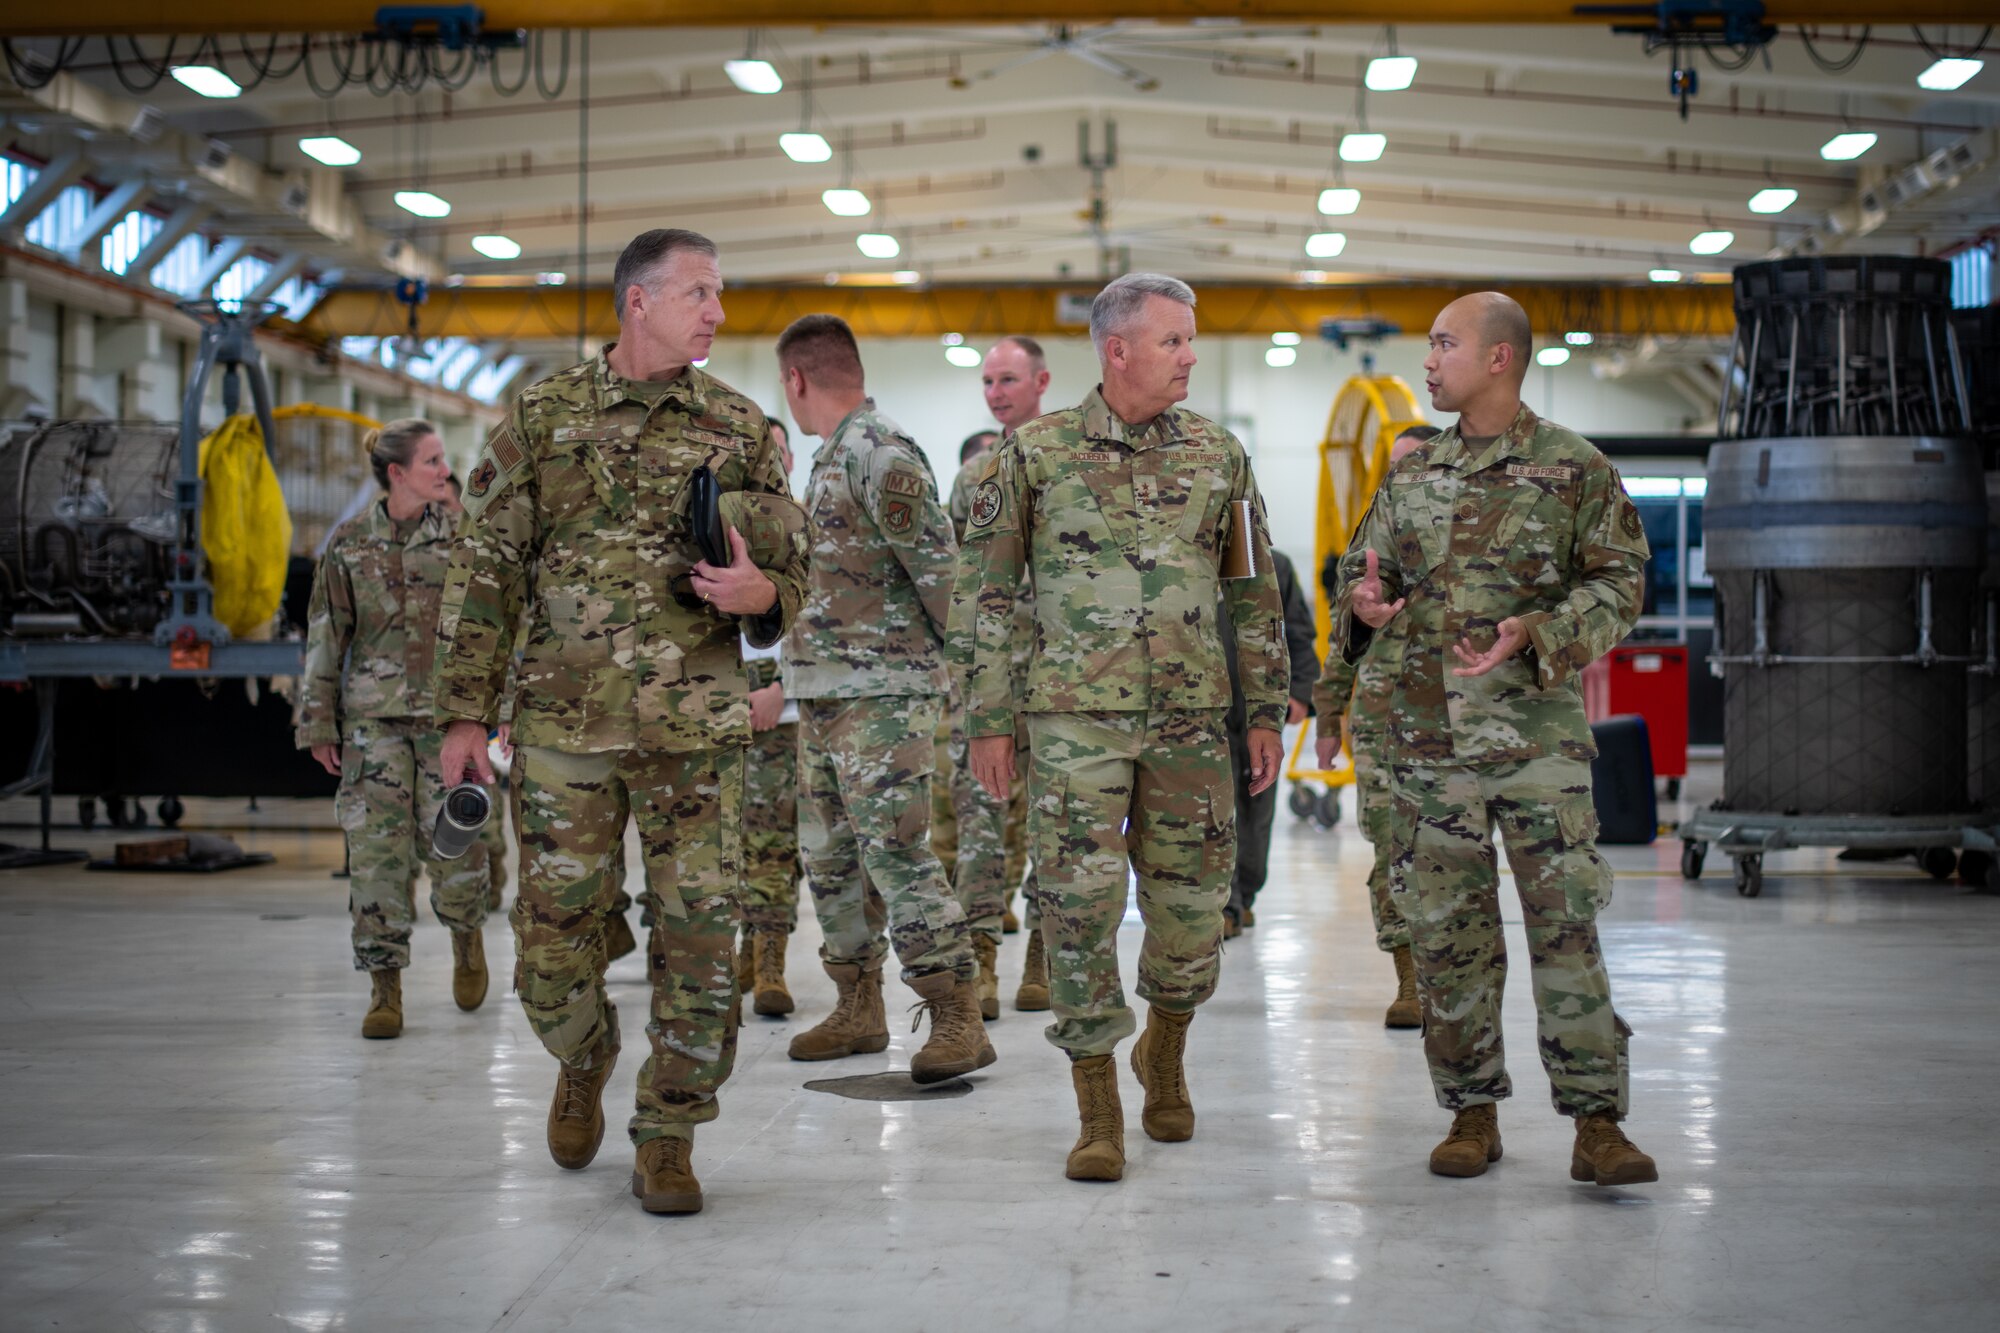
(465, 811)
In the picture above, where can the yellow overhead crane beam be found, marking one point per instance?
(536, 314)
(116, 17)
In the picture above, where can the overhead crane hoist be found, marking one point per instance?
(1369, 412)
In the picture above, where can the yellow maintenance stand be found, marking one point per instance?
(1369, 412)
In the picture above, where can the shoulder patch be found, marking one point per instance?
(898, 517)
(506, 450)
(985, 504)
(902, 481)
(481, 479)
(1629, 520)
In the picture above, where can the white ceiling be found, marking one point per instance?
(1551, 152)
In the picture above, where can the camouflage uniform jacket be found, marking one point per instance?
(1120, 530)
(1360, 690)
(372, 630)
(579, 499)
(1538, 526)
(962, 488)
(882, 562)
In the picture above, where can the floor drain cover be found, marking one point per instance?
(282, 916)
(891, 1085)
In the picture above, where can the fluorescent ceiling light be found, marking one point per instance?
(1326, 244)
(206, 80)
(423, 203)
(963, 357)
(1949, 73)
(1552, 356)
(1312, 275)
(1280, 357)
(1338, 200)
(805, 146)
(1286, 339)
(1773, 199)
(753, 76)
(876, 245)
(1712, 242)
(1846, 147)
(846, 203)
(1665, 275)
(497, 247)
(1390, 74)
(1362, 147)
(907, 275)
(330, 149)
(552, 279)
(952, 339)
(1578, 339)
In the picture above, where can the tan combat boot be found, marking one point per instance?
(618, 938)
(1231, 927)
(857, 1025)
(576, 1115)
(986, 950)
(958, 1043)
(773, 1000)
(746, 962)
(385, 1004)
(1249, 918)
(1099, 1153)
(1404, 1011)
(468, 968)
(1009, 923)
(1474, 1141)
(1033, 996)
(663, 1176)
(1604, 1156)
(1157, 1063)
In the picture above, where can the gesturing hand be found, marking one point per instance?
(1511, 638)
(991, 759)
(1368, 603)
(738, 588)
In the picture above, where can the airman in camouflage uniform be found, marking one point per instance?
(770, 850)
(1120, 524)
(1357, 694)
(1520, 557)
(865, 661)
(370, 638)
(631, 695)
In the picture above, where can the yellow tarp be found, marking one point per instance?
(246, 532)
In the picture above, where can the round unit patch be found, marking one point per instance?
(985, 504)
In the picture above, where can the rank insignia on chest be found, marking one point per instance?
(985, 504)
(482, 478)
(897, 516)
(1145, 491)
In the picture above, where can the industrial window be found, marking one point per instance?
(456, 364)
(129, 236)
(239, 280)
(1972, 276)
(491, 380)
(298, 296)
(19, 177)
(178, 271)
(60, 225)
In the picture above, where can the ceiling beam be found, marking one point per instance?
(233, 16)
(985, 311)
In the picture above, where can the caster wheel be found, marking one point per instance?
(86, 812)
(1938, 862)
(1301, 801)
(1326, 811)
(170, 811)
(135, 816)
(1692, 856)
(1673, 789)
(1749, 875)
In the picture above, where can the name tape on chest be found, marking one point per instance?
(574, 434)
(716, 438)
(903, 483)
(1096, 456)
(1539, 472)
(1413, 478)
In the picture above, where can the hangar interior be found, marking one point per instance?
(1755, 243)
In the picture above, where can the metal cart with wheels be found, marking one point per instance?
(1745, 837)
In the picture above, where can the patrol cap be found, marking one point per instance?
(775, 526)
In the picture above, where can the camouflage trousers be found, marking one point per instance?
(771, 829)
(981, 875)
(1374, 807)
(390, 791)
(1447, 885)
(570, 811)
(944, 814)
(865, 784)
(1148, 791)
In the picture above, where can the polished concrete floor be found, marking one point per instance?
(193, 1137)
